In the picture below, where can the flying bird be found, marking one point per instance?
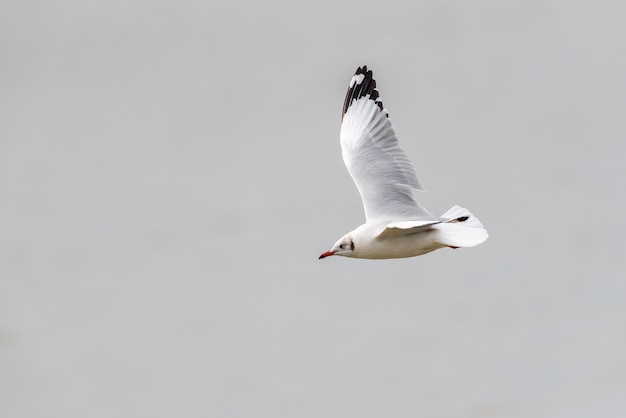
(395, 225)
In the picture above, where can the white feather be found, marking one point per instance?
(454, 233)
(381, 170)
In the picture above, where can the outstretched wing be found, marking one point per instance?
(382, 172)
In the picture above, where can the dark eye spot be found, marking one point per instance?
(352, 245)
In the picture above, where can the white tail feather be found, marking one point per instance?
(460, 229)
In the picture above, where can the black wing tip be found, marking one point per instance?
(361, 87)
(362, 70)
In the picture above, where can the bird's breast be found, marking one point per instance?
(399, 247)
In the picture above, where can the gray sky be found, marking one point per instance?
(170, 171)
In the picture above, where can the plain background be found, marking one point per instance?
(170, 171)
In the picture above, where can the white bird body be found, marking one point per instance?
(366, 245)
(396, 225)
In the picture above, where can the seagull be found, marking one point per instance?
(396, 226)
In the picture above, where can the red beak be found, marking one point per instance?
(326, 254)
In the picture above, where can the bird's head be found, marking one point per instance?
(344, 247)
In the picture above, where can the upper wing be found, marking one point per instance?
(382, 172)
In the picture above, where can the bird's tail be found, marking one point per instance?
(460, 229)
